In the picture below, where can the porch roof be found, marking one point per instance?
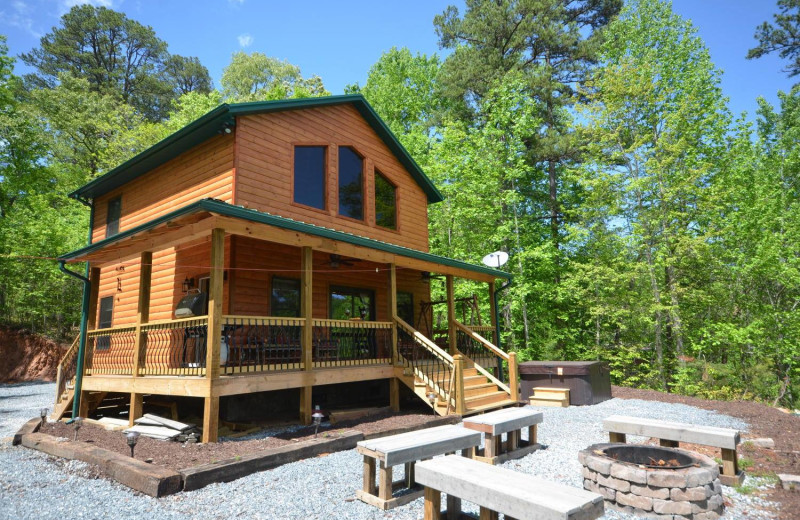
(170, 229)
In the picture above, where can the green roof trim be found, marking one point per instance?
(215, 122)
(229, 210)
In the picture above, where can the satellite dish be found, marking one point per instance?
(496, 259)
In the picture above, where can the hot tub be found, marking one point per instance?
(588, 381)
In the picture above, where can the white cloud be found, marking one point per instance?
(245, 40)
(236, 2)
(20, 17)
(69, 4)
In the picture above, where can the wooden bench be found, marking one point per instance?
(510, 421)
(407, 448)
(670, 434)
(499, 490)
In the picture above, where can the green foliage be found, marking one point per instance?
(258, 77)
(783, 37)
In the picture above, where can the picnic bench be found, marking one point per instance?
(407, 448)
(510, 422)
(499, 490)
(670, 434)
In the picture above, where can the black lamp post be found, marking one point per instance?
(76, 424)
(317, 416)
(132, 438)
(43, 415)
(432, 400)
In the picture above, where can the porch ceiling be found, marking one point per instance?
(198, 219)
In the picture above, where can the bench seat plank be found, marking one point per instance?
(418, 445)
(514, 494)
(504, 421)
(675, 431)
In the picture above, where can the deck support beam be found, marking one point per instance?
(214, 336)
(307, 342)
(140, 338)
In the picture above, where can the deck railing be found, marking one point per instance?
(479, 349)
(110, 350)
(262, 344)
(174, 347)
(427, 361)
(339, 343)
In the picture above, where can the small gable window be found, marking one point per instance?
(112, 217)
(309, 176)
(351, 184)
(385, 202)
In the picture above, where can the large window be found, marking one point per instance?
(385, 202)
(351, 302)
(104, 321)
(309, 176)
(285, 299)
(112, 217)
(405, 307)
(351, 184)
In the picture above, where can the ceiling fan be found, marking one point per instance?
(337, 261)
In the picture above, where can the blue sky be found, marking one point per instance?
(340, 40)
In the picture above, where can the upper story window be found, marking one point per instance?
(309, 176)
(112, 217)
(351, 184)
(385, 202)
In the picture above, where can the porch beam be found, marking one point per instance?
(451, 316)
(214, 335)
(307, 311)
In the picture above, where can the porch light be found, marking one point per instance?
(317, 416)
(132, 438)
(43, 415)
(187, 284)
(432, 400)
(76, 424)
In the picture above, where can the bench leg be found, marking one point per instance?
(730, 465)
(433, 504)
(493, 443)
(532, 434)
(369, 475)
(513, 440)
(453, 507)
(385, 482)
(616, 437)
(488, 514)
(468, 453)
(667, 443)
(410, 475)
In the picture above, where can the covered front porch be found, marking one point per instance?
(319, 325)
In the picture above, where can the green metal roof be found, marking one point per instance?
(214, 122)
(229, 210)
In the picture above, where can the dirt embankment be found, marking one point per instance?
(27, 357)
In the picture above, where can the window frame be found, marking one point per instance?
(378, 173)
(352, 291)
(363, 219)
(325, 176)
(115, 202)
(299, 295)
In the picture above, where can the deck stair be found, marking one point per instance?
(552, 397)
(428, 369)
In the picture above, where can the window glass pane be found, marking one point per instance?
(405, 307)
(104, 320)
(351, 197)
(112, 218)
(285, 300)
(309, 176)
(385, 202)
(351, 302)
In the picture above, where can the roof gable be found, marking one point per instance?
(223, 117)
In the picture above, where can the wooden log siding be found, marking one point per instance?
(264, 177)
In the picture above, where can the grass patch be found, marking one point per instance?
(745, 463)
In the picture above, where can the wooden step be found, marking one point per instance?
(480, 400)
(474, 390)
(493, 406)
(550, 397)
(549, 392)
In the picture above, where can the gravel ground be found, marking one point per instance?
(35, 486)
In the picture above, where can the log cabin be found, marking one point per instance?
(274, 250)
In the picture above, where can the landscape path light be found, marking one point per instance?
(432, 400)
(317, 416)
(43, 415)
(76, 424)
(132, 438)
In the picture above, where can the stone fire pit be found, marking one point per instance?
(644, 486)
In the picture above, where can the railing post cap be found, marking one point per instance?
(459, 357)
(512, 354)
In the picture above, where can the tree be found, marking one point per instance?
(258, 77)
(656, 124)
(116, 56)
(783, 37)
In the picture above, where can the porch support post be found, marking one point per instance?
(513, 376)
(394, 383)
(451, 316)
(94, 294)
(458, 374)
(214, 335)
(140, 338)
(91, 324)
(493, 313)
(306, 311)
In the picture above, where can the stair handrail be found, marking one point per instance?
(494, 350)
(69, 357)
(426, 342)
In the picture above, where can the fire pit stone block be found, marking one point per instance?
(635, 501)
(614, 483)
(649, 491)
(632, 474)
(685, 495)
(668, 507)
